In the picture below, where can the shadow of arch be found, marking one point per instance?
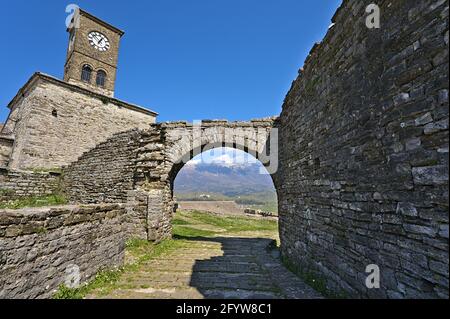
(246, 268)
(237, 273)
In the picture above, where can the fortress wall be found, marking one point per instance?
(364, 153)
(55, 123)
(15, 185)
(42, 248)
(125, 169)
(104, 174)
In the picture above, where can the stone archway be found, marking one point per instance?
(171, 145)
(226, 181)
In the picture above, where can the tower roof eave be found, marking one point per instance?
(42, 76)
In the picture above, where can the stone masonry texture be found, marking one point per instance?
(54, 123)
(6, 145)
(15, 185)
(364, 153)
(362, 173)
(82, 53)
(139, 167)
(41, 247)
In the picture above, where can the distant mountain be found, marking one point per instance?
(229, 180)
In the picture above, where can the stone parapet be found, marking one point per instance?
(42, 248)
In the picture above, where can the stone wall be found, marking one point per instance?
(54, 122)
(364, 153)
(42, 248)
(106, 173)
(15, 185)
(138, 167)
(6, 146)
(217, 207)
(259, 212)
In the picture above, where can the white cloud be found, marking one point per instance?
(223, 156)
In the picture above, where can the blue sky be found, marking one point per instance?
(185, 59)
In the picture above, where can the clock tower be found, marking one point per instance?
(92, 54)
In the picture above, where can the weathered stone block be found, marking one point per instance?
(407, 209)
(430, 175)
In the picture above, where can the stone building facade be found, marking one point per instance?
(95, 44)
(52, 122)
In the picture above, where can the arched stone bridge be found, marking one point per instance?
(139, 167)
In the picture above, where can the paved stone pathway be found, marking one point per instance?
(220, 267)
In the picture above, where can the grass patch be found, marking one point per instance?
(147, 250)
(55, 170)
(6, 192)
(42, 230)
(102, 279)
(318, 283)
(231, 224)
(180, 231)
(178, 221)
(108, 280)
(37, 201)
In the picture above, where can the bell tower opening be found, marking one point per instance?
(92, 42)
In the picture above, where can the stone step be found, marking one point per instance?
(166, 279)
(190, 293)
(192, 258)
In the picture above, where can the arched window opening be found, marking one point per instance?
(101, 78)
(86, 73)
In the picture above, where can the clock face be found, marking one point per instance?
(98, 41)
